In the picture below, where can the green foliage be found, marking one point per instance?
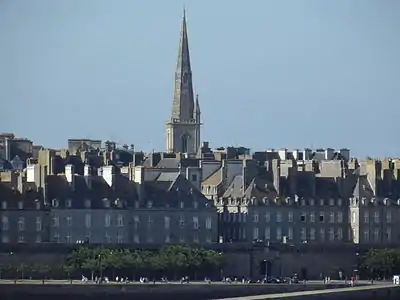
(168, 261)
(381, 262)
(172, 262)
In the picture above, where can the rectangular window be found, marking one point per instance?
(290, 233)
(56, 237)
(303, 234)
(366, 236)
(20, 205)
(21, 239)
(167, 221)
(4, 205)
(339, 234)
(208, 223)
(107, 220)
(255, 217)
(376, 236)
(376, 217)
(312, 217)
(4, 222)
(56, 221)
(120, 238)
(21, 224)
(69, 238)
(38, 238)
(255, 233)
(331, 234)
(331, 217)
(107, 238)
(278, 234)
(38, 223)
(136, 222)
(312, 234)
(388, 216)
(290, 216)
(321, 217)
(303, 217)
(195, 222)
(181, 222)
(366, 217)
(267, 217)
(389, 234)
(88, 221)
(353, 217)
(278, 217)
(69, 221)
(339, 217)
(120, 220)
(149, 222)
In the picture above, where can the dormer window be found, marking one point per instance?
(120, 203)
(4, 205)
(302, 202)
(88, 203)
(331, 202)
(68, 203)
(312, 202)
(37, 204)
(182, 205)
(20, 205)
(54, 202)
(321, 202)
(149, 204)
(339, 202)
(106, 203)
(195, 204)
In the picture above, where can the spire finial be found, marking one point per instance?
(184, 12)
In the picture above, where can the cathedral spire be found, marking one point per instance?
(183, 103)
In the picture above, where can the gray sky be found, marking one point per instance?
(269, 73)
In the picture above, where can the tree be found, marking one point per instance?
(68, 269)
(381, 262)
(4, 268)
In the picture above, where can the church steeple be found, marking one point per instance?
(183, 128)
(183, 103)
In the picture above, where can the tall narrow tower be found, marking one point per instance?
(183, 128)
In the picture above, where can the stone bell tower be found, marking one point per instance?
(183, 128)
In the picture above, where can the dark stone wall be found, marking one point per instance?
(145, 292)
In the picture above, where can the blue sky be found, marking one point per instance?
(269, 74)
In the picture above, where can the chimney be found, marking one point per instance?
(109, 175)
(138, 178)
(276, 174)
(87, 173)
(7, 148)
(69, 175)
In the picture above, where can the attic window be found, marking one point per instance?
(149, 204)
(195, 204)
(54, 203)
(182, 204)
(136, 204)
(20, 205)
(68, 203)
(106, 203)
(312, 202)
(321, 202)
(4, 205)
(339, 202)
(37, 203)
(331, 202)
